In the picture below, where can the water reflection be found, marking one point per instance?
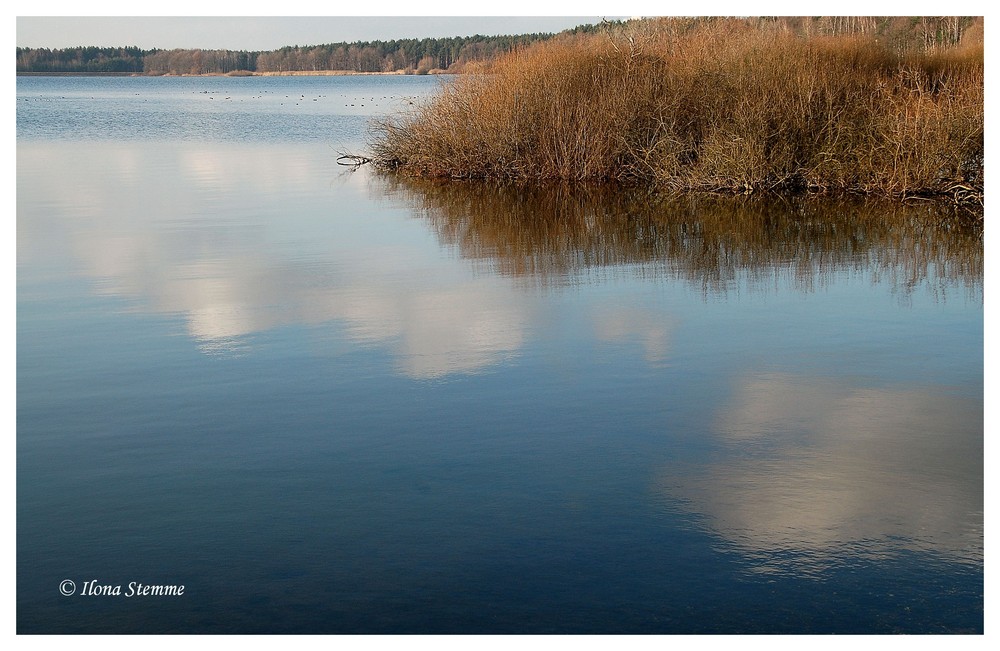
(628, 385)
(626, 322)
(815, 472)
(554, 233)
(238, 240)
(809, 471)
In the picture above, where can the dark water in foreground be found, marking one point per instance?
(327, 402)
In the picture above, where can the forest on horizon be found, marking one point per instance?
(409, 56)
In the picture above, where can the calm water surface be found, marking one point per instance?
(332, 402)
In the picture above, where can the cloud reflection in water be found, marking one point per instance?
(814, 472)
(215, 236)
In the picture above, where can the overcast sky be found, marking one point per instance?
(205, 25)
(265, 33)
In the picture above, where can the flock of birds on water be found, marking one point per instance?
(302, 98)
(352, 102)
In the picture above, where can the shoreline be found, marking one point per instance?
(242, 73)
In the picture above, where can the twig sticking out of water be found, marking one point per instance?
(353, 161)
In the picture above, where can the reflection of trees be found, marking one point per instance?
(553, 231)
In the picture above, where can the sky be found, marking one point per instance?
(267, 32)
(209, 25)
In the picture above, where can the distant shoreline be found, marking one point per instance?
(243, 73)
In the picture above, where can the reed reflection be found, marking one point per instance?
(254, 243)
(553, 233)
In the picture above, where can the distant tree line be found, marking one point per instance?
(901, 33)
(82, 60)
(410, 55)
(418, 56)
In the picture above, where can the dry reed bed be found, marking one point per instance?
(722, 105)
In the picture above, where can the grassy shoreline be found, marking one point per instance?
(712, 105)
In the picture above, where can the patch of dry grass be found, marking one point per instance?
(716, 104)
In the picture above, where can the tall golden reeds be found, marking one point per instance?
(713, 104)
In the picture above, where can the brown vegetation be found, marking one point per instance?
(714, 104)
(544, 233)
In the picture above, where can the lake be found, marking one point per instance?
(330, 401)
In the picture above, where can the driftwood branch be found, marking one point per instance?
(353, 160)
